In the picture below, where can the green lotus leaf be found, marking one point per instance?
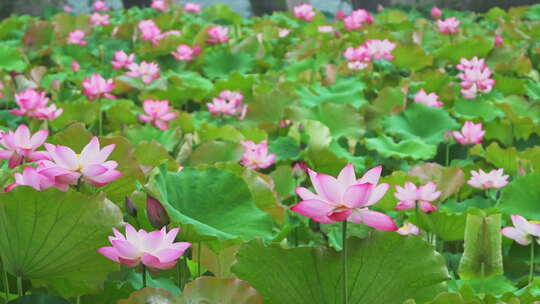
(223, 291)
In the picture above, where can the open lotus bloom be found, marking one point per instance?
(380, 49)
(122, 60)
(345, 198)
(304, 12)
(66, 167)
(158, 113)
(430, 100)
(471, 134)
(155, 249)
(228, 103)
(97, 87)
(20, 146)
(34, 104)
(357, 19)
(410, 196)
(76, 37)
(358, 58)
(474, 81)
(99, 19)
(159, 5)
(471, 64)
(150, 31)
(408, 229)
(217, 34)
(523, 231)
(256, 155)
(147, 71)
(448, 25)
(495, 179)
(100, 6)
(31, 177)
(191, 7)
(186, 53)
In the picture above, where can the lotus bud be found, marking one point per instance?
(130, 206)
(156, 213)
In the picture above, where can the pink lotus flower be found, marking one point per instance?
(122, 60)
(345, 198)
(29, 101)
(408, 229)
(495, 179)
(283, 32)
(67, 9)
(435, 13)
(325, 29)
(357, 19)
(76, 37)
(100, 6)
(1, 89)
(191, 7)
(430, 100)
(75, 66)
(147, 71)
(150, 31)
(448, 26)
(228, 103)
(97, 87)
(358, 58)
(410, 196)
(30, 177)
(99, 19)
(159, 5)
(256, 155)
(186, 53)
(475, 76)
(20, 146)
(304, 12)
(158, 113)
(48, 113)
(155, 249)
(217, 34)
(523, 231)
(340, 15)
(66, 167)
(380, 49)
(499, 41)
(474, 64)
(471, 134)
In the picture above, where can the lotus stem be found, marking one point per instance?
(19, 286)
(144, 276)
(531, 264)
(198, 259)
(344, 261)
(6, 283)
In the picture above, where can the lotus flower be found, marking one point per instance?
(345, 198)
(67, 9)
(474, 81)
(158, 113)
(472, 64)
(30, 177)
(20, 146)
(191, 7)
(122, 60)
(283, 32)
(495, 179)
(97, 87)
(217, 34)
(48, 113)
(410, 196)
(29, 101)
(256, 155)
(304, 12)
(358, 58)
(228, 103)
(340, 15)
(155, 249)
(99, 19)
(186, 53)
(66, 167)
(100, 6)
(471, 134)
(76, 37)
(147, 71)
(159, 5)
(448, 26)
(499, 41)
(430, 100)
(380, 49)
(435, 13)
(150, 31)
(325, 29)
(357, 19)
(408, 229)
(157, 215)
(523, 231)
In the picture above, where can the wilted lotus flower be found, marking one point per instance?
(304, 12)
(156, 213)
(76, 37)
(430, 100)
(158, 113)
(256, 155)
(91, 164)
(358, 58)
(217, 34)
(357, 19)
(435, 13)
(31, 177)
(191, 7)
(186, 53)
(97, 87)
(99, 19)
(100, 6)
(122, 60)
(410, 196)
(408, 229)
(495, 179)
(159, 5)
(228, 103)
(448, 26)
(345, 198)
(523, 231)
(380, 49)
(471, 134)
(21, 146)
(147, 71)
(155, 249)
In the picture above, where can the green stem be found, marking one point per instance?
(100, 123)
(6, 283)
(143, 276)
(198, 259)
(179, 273)
(79, 300)
(531, 262)
(19, 286)
(344, 261)
(482, 276)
